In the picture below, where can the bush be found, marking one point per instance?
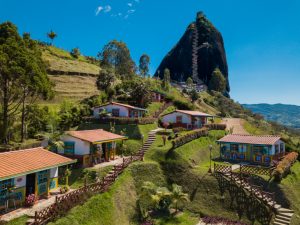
(192, 135)
(179, 129)
(30, 200)
(283, 167)
(64, 189)
(215, 126)
(125, 120)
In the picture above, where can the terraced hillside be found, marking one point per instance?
(74, 79)
(74, 87)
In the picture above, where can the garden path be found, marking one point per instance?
(236, 124)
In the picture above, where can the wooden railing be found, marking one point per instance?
(65, 202)
(248, 169)
(245, 183)
(222, 168)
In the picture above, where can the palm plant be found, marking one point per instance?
(52, 35)
(178, 196)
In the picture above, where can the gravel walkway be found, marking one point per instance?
(236, 124)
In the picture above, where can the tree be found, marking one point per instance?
(217, 81)
(116, 55)
(189, 82)
(52, 35)
(166, 79)
(140, 93)
(23, 76)
(178, 196)
(144, 65)
(194, 95)
(106, 79)
(75, 52)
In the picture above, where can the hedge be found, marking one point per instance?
(284, 166)
(192, 135)
(216, 126)
(125, 120)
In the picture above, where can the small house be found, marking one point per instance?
(119, 110)
(186, 118)
(251, 148)
(90, 146)
(157, 96)
(26, 172)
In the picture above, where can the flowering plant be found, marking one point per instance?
(30, 200)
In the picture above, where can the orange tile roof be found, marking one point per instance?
(121, 104)
(94, 135)
(22, 162)
(250, 139)
(193, 113)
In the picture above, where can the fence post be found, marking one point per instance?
(56, 199)
(35, 217)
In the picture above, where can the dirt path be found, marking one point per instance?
(236, 124)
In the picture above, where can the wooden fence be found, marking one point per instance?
(65, 202)
(249, 169)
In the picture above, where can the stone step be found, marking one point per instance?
(278, 223)
(282, 217)
(282, 221)
(284, 210)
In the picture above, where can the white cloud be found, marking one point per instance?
(131, 11)
(137, 1)
(120, 14)
(107, 8)
(129, 4)
(98, 10)
(104, 9)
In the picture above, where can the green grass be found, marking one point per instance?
(61, 60)
(76, 179)
(153, 107)
(18, 221)
(291, 189)
(185, 218)
(73, 87)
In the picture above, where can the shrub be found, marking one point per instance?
(179, 129)
(121, 120)
(30, 200)
(215, 126)
(283, 167)
(192, 135)
(64, 189)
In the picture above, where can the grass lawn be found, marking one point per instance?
(291, 189)
(76, 179)
(184, 218)
(18, 221)
(153, 107)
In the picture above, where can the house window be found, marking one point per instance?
(259, 149)
(42, 177)
(4, 185)
(115, 112)
(234, 147)
(178, 119)
(242, 148)
(69, 147)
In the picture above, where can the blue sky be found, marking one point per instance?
(262, 37)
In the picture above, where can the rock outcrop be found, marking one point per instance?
(197, 54)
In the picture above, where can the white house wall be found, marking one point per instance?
(123, 111)
(80, 147)
(54, 172)
(20, 181)
(171, 118)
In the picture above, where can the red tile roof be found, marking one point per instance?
(121, 104)
(191, 113)
(250, 139)
(21, 162)
(94, 135)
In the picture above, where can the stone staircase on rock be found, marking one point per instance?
(195, 56)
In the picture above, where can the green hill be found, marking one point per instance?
(288, 115)
(74, 78)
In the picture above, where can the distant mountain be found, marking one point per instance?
(288, 115)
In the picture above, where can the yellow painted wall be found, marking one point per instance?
(53, 183)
